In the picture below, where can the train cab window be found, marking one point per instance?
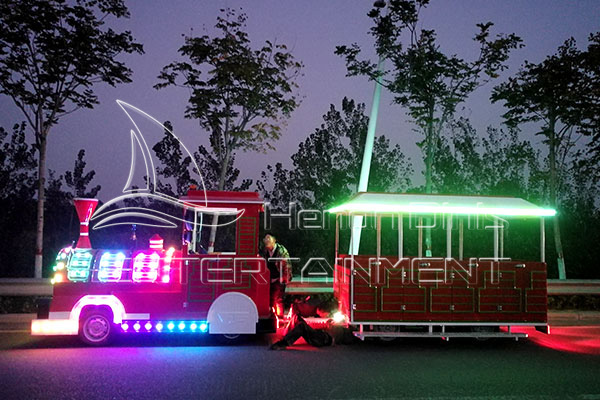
(198, 227)
(192, 231)
(225, 234)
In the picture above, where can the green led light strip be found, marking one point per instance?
(440, 209)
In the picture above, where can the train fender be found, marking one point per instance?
(111, 301)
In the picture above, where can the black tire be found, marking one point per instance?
(230, 339)
(96, 328)
(484, 329)
(387, 328)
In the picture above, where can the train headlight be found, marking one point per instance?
(58, 278)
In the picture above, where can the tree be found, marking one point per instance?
(211, 168)
(425, 80)
(497, 164)
(580, 225)
(237, 94)
(325, 171)
(78, 180)
(557, 93)
(17, 165)
(17, 190)
(176, 165)
(52, 53)
(327, 164)
(590, 163)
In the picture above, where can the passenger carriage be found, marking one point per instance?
(455, 294)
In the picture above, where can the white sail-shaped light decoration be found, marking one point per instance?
(107, 215)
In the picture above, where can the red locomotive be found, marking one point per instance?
(98, 292)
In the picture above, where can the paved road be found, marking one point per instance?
(564, 365)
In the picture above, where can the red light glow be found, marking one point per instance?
(573, 339)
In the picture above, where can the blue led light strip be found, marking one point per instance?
(162, 326)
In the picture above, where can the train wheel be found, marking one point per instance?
(229, 338)
(96, 328)
(483, 329)
(387, 329)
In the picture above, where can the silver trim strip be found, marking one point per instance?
(137, 316)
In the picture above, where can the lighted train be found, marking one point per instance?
(98, 293)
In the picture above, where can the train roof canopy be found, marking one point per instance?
(386, 203)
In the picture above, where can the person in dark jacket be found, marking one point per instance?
(279, 265)
(299, 328)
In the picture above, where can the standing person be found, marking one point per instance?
(279, 265)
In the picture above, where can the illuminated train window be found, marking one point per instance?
(79, 265)
(145, 267)
(110, 267)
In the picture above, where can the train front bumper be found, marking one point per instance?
(50, 327)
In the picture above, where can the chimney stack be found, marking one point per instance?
(85, 208)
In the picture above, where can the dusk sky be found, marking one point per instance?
(311, 29)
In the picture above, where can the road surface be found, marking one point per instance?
(564, 365)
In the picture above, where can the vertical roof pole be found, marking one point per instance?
(449, 236)
(496, 252)
(378, 227)
(502, 231)
(365, 168)
(420, 246)
(460, 238)
(542, 240)
(337, 237)
(400, 237)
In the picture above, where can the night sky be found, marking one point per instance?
(311, 29)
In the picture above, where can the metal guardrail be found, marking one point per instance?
(573, 286)
(25, 287)
(298, 285)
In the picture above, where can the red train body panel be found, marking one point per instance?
(443, 292)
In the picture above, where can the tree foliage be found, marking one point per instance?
(426, 81)
(325, 171)
(175, 165)
(239, 95)
(17, 200)
(176, 168)
(17, 189)
(52, 53)
(326, 167)
(17, 164)
(422, 78)
(591, 163)
(498, 164)
(78, 180)
(560, 94)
